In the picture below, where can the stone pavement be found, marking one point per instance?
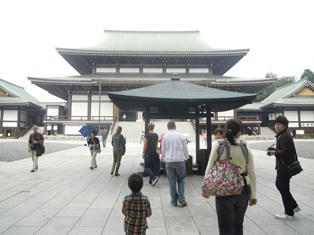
(66, 197)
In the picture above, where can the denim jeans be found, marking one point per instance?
(283, 185)
(152, 166)
(230, 213)
(176, 174)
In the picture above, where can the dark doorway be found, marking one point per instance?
(127, 116)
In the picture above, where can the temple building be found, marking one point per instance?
(295, 101)
(18, 110)
(123, 60)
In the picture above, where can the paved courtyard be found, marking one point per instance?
(66, 197)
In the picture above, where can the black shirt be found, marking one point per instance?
(35, 137)
(93, 143)
(152, 142)
(285, 150)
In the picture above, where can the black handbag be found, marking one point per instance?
(246, 188)
(294, 168)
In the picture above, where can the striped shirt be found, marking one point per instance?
(136, 208)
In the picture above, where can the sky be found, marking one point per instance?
(278, 33)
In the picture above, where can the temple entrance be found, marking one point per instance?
(127, 116)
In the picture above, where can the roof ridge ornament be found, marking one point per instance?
(175, 77)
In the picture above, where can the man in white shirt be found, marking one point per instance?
(175, 153)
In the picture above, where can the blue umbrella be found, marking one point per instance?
(87, 130)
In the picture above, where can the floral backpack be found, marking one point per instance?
(225, 177)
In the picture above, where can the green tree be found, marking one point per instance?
(308, 74)
(282, 81)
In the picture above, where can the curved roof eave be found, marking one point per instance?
(89, 52)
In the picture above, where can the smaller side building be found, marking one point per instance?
(18, 110)
(295, 101)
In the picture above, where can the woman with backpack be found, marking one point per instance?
(232, 154)
(94, 147)
(118, 144)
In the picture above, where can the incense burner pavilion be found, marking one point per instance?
(124, 60)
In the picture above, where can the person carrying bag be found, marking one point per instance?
(287, 166)
(118, 143)
(94, 147)
(231, 162)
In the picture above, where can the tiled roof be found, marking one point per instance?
(284, 96)
(180, 93)
(16, 95)
(116, 79)
(150, 42)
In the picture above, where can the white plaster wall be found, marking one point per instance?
(9, 124)
(199, 70)
(129, 70)
(106, 109)
(106, 70)
(293, 124)
(228, 113)
(79, 97)
(307, 115)
(10, 115)
(53, 111)
(103, 98)
(175, 70)
(79, 109)
(152, 70)
(291, 115)
(72, 129)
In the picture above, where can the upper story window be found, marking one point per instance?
(152, 70)
(95, 98)
(129, 69)
(176, 70)
(198, 70)
(106, 70)
(79, 97)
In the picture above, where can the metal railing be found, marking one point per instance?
(78, 118)
(241, 118)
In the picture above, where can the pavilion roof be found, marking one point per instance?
(151, 47)
(179, 93)
(152, 42)
(285, 96)
(16, 95)
(147, 79)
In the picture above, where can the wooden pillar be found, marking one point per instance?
(69, 105)
(1, 118)
(99, 107)
(208, 130)
(235, 114)
(141, 68)
(18, 128)
(197, 131)
(89, 106)
(299, 117)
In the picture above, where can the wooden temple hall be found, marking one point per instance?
(124, 60)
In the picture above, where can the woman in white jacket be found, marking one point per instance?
(231, 209)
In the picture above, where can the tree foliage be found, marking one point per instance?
(282, 81)
(308, 74)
